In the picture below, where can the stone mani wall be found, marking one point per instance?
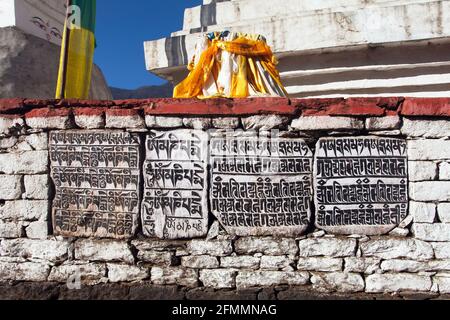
(356, 198)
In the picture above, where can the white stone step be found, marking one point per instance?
(324, 31)
(229, 13)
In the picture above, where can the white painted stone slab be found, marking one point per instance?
(175, 188)
(361, 184)
(96, 176)
(261, 186)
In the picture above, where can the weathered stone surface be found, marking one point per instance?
(444, 212)
(327, 123)
(175, 189)
(399, 265)
(124, 119)
(383, 123)
(10, 124)
(48, 250)
(430, 191)
(7, 143)
(444, 171)
(226, 123)
(218, 248)
(10, 187)
(197, 123)
(156, 258)
(266, 245)
(126, 273)
(399, 232)
(285, 167)
(328, 247)
(36, 187)
(159, 245)
(27, 271)
(397, 248)
(24, 210)
(29, 162)
(96, 175)
(214, 231)
(422, 171)
(200, 262)
(320, 264)
(240, 262)
(337, 281)
(37, 230)
(362, 265)
(441, 250)
(422, 212)
(93, 121)
(276, 262)
(89, 274)
(103, 250)
(10, 230)
(443, 282)
(218, 278)
(163, 122)
(265, 122)
(429, 149)
(249, 279)
(397, 282)
(426, 128)
(343, 210)
(439, 232)
(37, 141)
(179, 276)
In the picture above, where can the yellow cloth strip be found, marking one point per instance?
(78, 67)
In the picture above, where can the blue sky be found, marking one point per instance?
(123, 26)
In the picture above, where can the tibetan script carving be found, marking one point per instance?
(361, 184)
(96, 175)
(175, 186)
(261, 186)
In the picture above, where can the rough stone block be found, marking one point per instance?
(29, 162)
(48, 118)
(240, 262)
(328, 247)
(444, 212)
(327, 123)
(197, 123)
(200, 262)
(171, 276)
(90, 118)
(264, 122)
(266, 245)
(320, 264)
(426, 128)
(444, 171)
(10, 230)
(37, 230)
(383, 123)
(48, 250)
(428, 150)
(36, 187)
(251, 279)
(10, 187)
(441, 250)
(37, 141)
(158, 245)
(397, 248)
(385, 283)
(26, 271)
(362, 265)
(9, 124)
(89, 274)
(439, 232)
(226, 123)
(124, 119)
(156, 258)
(25, 210)
(103, 250)
(276, 262)
(443, 282)
(422, 171)
(430, 191)
(218, 278)
(126, 273)
(163, 122)
(399, 265)
(422, 212)
(337, 281)
(218, 248)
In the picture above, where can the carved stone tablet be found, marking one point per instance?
(175, 202)
(361, 184)
(96, 175)
(261, 186)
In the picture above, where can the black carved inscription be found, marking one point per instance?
(174, 204)
(361, 181)
(96, 176)
(261, 183)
